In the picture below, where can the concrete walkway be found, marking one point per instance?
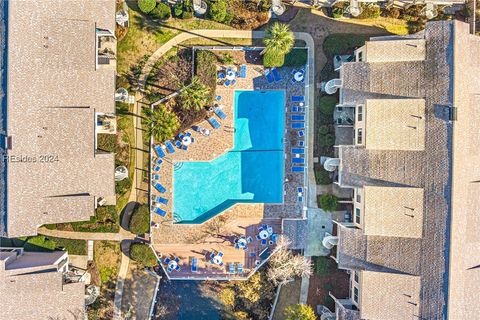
(304, 287)
(122, 274)
(122, 235)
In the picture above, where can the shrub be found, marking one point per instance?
(328, 202)
(107, 142)
(322, 176)
(162, 11)
(273, 59)
(143, 254)
(121, 187)
(369, 11)
(140, 220)
(217, 10)
(327, 104)
(227, 296)
(226, 58)
(264, 5)
(299, 312)
(323, 266)
(393, 13)
(327, 140)
(178, 10)
(107, 214)
(296, 58)
(206, 70)
(322, 130)
(146, 6)
(337, 12)
(187, 15)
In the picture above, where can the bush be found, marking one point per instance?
(322, 176)
(178, 10)
(187, 15)
(39, 243)
(323, 266)
(369, 11)
(328, 202)
(264, 5)
(162, 11)
(217, 10)
(273, 59)
(337, 12)
(146, 6)
(107, 142)
(296, 58)
(107, 214)
(299, 312)
(206, 70)
(322, 130)
(140, 220)
(327, 104)
(393, 13)
(121, 187)
(143, 254)
(327, 140)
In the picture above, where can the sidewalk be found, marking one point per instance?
(122, 235)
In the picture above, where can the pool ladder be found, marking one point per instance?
(177, 166)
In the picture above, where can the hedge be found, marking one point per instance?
(273, 59)
(143, 254)
(327, 104)
(328, 202)
(140, 220)
(146, 6)
(322, 176)
(296, 58)
(162, 11)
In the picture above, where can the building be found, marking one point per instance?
(32, 286)
(60, 96)
(412, 168)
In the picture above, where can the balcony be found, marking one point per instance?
(106, 50)
(106, 123)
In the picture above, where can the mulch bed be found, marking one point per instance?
(289, 14)
(337, 282)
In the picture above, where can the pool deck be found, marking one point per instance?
(194, 240)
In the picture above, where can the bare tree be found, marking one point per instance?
(285, 265)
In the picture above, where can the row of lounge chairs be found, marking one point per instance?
(220, 114)
(272, 75)
(231, 268)
(298, 123)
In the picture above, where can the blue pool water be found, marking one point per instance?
(252, 172)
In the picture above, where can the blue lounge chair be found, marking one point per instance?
(167, 260)
(298, 98)
(239, 268)
(298, 117)
(264, 242)
(231, 268)
(298, 109)
(301, 143)
(299, 189)
(249, 239)
(159, 211)
(298, 169)
(218, 98)
(243, 71)
(159, 151)
(215, 124)
(169, 146)
(237, 246)
(194, 264)
(169, 269)
(193, 139)
(221, 75)
(300, 199)
(177, 268)
(298, 150)
(161, 200)
(233, 82)
(301, 133)
(269, 76)
(298, 160)
(298, 125)
(226, 83)
(155, 176)
(159, 187)
(178, 144)
(257, 237)
(188, 134)
(274, 237)
(184, 148)
(276, 75)
(177, 259)
(252, 254)
(156, 168)
(220, 254)
(219, 112)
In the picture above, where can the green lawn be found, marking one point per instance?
(43, 243)
(343, 43)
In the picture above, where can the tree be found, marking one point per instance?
(146, 5)
(162, 11)
(217, 10)
(227, 296)
(299, 312)
(160, 123)
(273, 59)
(140, 220)
(279, 39)
(285, 265)
(195, 96)
(143, 254)
(328, 202)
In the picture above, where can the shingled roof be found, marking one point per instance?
(54, 92)
(433, 81)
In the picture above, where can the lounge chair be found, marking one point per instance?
(159, 151)
(226, 83)
(264, 242)
(194, 264)
(218, 98)
(298, 98)
(231, 268)
(299, 189)
(257, 237)
(301, 133)
(237, 246)
(298, 109)
(298, 150)
(169, 146)
(156, 168)
(159, 211)
(193, 139)
(269, 76)
(276, 75)
(274, 237)
(188, 134)
(215, 124)
(298, 160)
(220, 254)
(159, 187)
(160, 200)
(177, 268)
(300, 199)
(169, 269)
(252, 254)
(243, 71)
(298, 125)
(233, 82)
(167, 260)
(249, 239)
(298, 117)
(239, 268)
(221, 75)
(219, 112)
(298, 169)
(301, 143)
(155, 177)
(178, 144)
(184, 148)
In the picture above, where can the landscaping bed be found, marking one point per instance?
(43, 243)
(104, 220)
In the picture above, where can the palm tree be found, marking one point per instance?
(160, 123)
(279, 39)
(195, 96)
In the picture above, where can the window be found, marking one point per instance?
(359, 113)
(355, 294)
(357, 215)
(359, 136)
(355, 276)
(359, 197)
(360, 56)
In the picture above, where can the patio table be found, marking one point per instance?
(186, 140)
(217, 259)
(172, 264)
(270, 230)
(242, 243)
(230, 75)
(298, 76)
(263, 234)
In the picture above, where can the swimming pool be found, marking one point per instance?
(252, 172)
